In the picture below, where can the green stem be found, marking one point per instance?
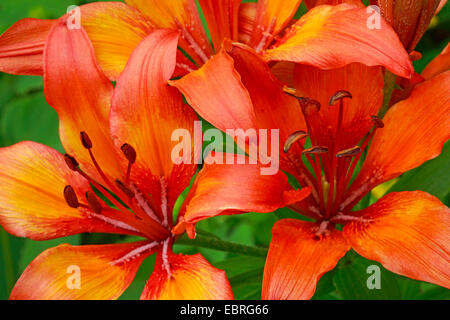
(7, 259)
(220, 245)
(389, 85)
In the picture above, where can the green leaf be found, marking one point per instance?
(433, 176)
(10, 248)
(245, 276)
(351, 281)
(30, 118)
(31, 249)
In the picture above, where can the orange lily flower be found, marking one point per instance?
(408, 232)
(118, 141)
(326, 37)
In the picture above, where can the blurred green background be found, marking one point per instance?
(25, 115)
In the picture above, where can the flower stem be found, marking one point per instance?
(202, 241)
(389, 85)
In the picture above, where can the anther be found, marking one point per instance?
(85, 140)
(317, 149)
(71, 162)
(93, 202)
(308, 103)
(124, 188)
(294, 137)
(129, 152)
(349, 152)
(71, 197)
(377, 122)
(339, 96)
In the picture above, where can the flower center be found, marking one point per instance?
(328, 168)
(128, 207)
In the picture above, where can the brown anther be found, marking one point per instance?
(71, 197)
(294, 137)
(308, 103)
(129, 152)
(339, 96)
(124, 188)
(85, 140)
(317, 149)
(93, 202)
(349, 152)
(377, 122)
(71, 162)
(415, 55)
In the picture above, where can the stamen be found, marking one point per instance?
(165, 258)
(339, 96)
(71, 197)
(349, 152)
(85, 140)
(124, 188)
(135, 253)
(315, 150)
(71, 162)
(93, 202)
(294, 137)
(129, 152)
(131, 156)
(377, 122)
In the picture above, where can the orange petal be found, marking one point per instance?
(217, 94)
(104, 271)
(439, 64)
(115, 30)
(397, 148)
(32, 205)
(22, 45)
(178, 15)
(222, 19)
(146, 111)
(232, 188)
(297, 259)
(191, 278)
(271, 18)
(364, 83)
(237, 90)
(408, 234)
(330, 37)
(81, 95)
(313, 3)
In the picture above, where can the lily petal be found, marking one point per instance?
(271, 18)
(439, 64)
(32, 205)
(396, 148)
(190, 278)
(102, 273)
(146, 112)
(178, 15)
(81, 95)
(115, 30)
(331, 37)
(221, 189)
(408, 233)
(22, 45)
(297, 259)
